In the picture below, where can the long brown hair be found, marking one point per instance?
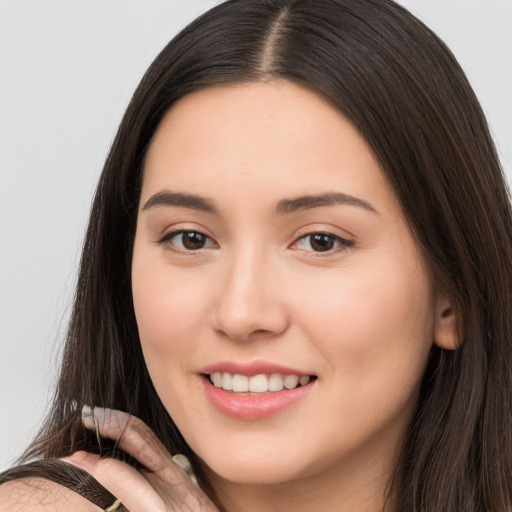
(403, 90)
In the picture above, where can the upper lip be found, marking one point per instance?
(252, 368)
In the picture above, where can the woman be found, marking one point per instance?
(296, 274)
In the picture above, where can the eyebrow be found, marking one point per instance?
(191, 201)
(285, 206)
(316, 201)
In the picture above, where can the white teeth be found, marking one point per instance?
(258, 383)
(275, 383)
(216, 378)
(304, 380)
(227, 381)
(291, 381)
(240, 383)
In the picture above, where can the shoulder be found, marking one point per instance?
(41, 495)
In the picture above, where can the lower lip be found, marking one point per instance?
(254, 407)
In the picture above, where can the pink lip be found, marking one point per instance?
(251, 369)
(257, 406)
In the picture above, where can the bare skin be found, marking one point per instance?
(36, 494)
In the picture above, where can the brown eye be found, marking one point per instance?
(322, 242)
(192, 240)
(186, 241)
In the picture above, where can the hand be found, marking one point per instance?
(167, 488)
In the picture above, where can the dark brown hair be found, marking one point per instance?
(403, 90)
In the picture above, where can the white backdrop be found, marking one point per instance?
(67, 71)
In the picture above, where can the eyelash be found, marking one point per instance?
(342, 243)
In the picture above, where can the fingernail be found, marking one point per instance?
(87, 417)
(91, 418)
(100, 414)
(184, 463)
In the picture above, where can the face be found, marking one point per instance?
(270, 251)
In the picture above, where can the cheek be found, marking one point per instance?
(373, 323)
(168, 308)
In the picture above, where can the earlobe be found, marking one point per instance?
(446, 333)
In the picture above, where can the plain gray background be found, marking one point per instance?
(67, 71)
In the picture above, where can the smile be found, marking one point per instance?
(258, 392)
(262, 383)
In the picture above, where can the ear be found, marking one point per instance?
(446, 332)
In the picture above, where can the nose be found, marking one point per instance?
(250, 301)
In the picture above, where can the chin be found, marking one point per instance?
(254, 474)
(255, 469)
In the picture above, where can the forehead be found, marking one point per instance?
(264, 138)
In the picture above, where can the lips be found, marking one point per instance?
(255, 391)
(253, 368)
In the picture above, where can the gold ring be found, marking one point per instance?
(115, 506)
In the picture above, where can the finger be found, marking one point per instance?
(137, 439)
(133, 435)
(142, 492)
(123, 481)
